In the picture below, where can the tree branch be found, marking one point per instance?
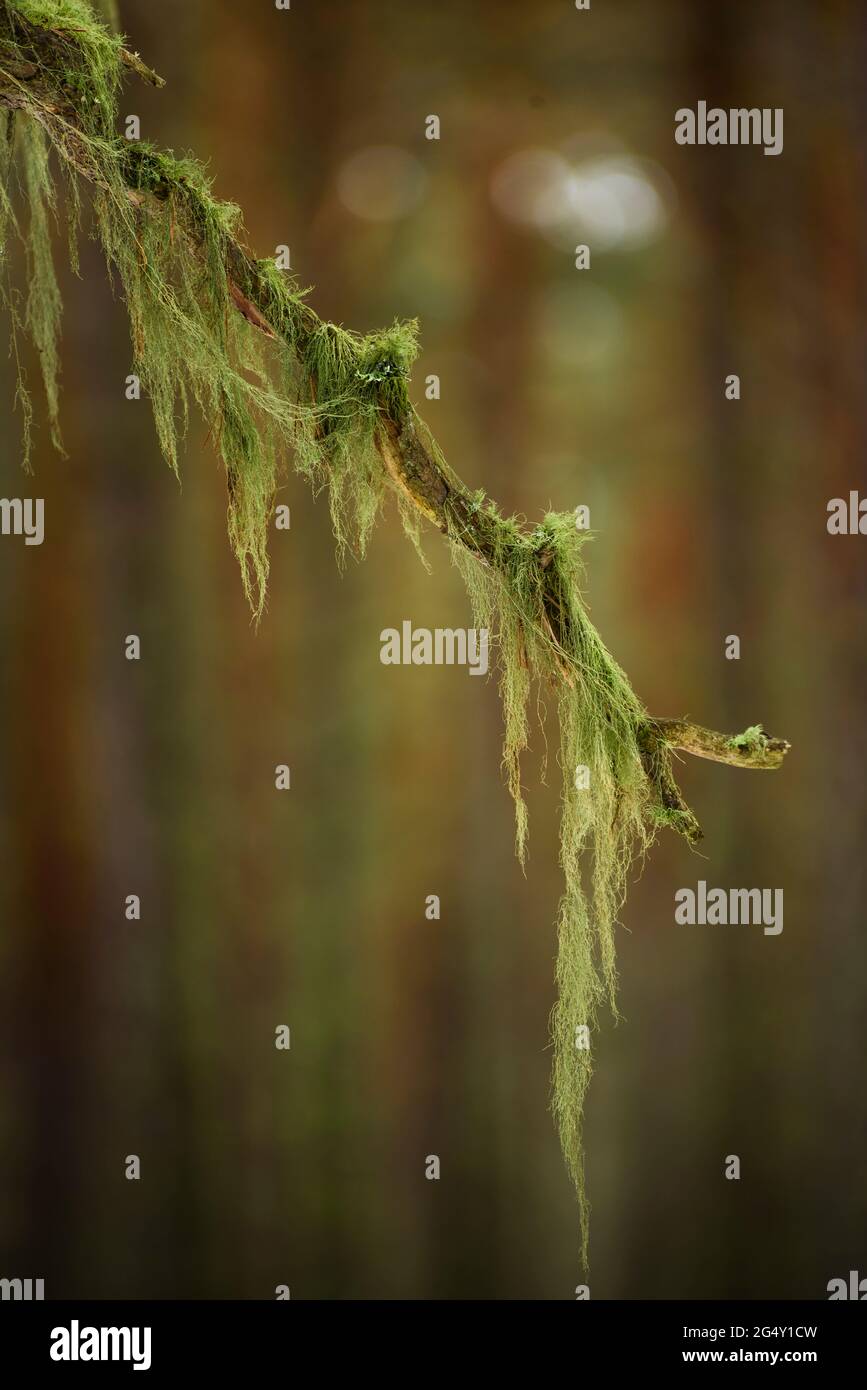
(754, 748)
(410, 460)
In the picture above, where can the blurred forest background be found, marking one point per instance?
(558, 387)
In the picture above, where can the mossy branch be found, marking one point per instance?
(411, 463)
(214, 325)
(752, 748)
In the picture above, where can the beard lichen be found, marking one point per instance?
(213, 327)
(528, 594)
(168, 241)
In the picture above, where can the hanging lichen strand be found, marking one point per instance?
(215, 326)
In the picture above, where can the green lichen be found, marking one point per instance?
(317, 393)
(555, 645)
(356, 378)
(189, 345)
(752, 740)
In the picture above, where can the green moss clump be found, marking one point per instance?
(752, 740)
